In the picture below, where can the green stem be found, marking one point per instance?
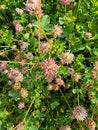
(29, 108)
(16, 62)
(79, 2)
(66, 100)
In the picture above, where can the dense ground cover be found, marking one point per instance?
(49, 65)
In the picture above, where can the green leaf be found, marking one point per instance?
(61, 20)
(54, 105)
(45, 21)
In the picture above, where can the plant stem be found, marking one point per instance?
(65, 100)
(39, 22)
(29, 109)
(16, 62)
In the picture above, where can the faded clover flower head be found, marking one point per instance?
(3, 66)
(20, 57)
(2, 7)
(49, 78)
(24, 69)
(95, 71)
(88, 35)
(15, 74)
(65, 2)
(75, 77)
(50, 68)
(57, 31)
(24, 45)
(16, 86)
(23, 92)
(29, 56)
(95, 74)
(67, 127)
(21, 105)
(96, 65)
(44, 47)
(18, 26)
(67, 58)
(19, 11)
(90, 123)
(79, 113)
(14, 48)
(26, 35)
(71, 71)
(60, 82)
(53, 87)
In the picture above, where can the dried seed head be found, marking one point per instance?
(75, 77)
(53, 87)
(16, 86)
(23, 92)
(88, 35)
(67, 127)
(60, 82)
(90, 123)
(94, 74)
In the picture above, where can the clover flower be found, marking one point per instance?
(23, 92)
(79, 113)
(19, 11)
(21, 105)
(75, 77)
(94, 74)
(14, 48)
(24, 69)
(44, 47)
(49, 78)
(18, 26)
(50, 68)
(57, 31)
(3, 66)
(24, 45)
(53, 87)
(96, 65)
(88, 35)
(65, 2)
(67, 58)
(15, 74)
(29, 56)
(60, 82)
(31, 5)
(71, 71)
(90, 123)
(20, 57)
(16, 86)
(67, 127)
